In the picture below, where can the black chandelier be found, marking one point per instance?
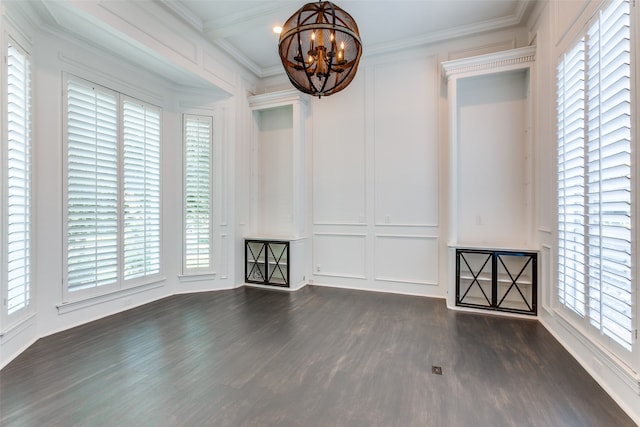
(320, 48)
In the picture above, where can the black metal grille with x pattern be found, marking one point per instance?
(277, 259)
(524, 295)
(267, 262)
(255, 252)
(476, 274)
(497, 280)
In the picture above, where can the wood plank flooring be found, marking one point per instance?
(316, 357)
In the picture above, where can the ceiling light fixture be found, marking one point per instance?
(320, 48)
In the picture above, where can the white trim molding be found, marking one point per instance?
(512, 58)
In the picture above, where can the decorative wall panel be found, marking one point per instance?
(405, 141)
(339, 157)
(339, 255)
(410, 259)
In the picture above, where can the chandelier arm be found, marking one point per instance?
(329, 59)
(307, 68)
(305, 27)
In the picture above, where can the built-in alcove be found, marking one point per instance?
(491, 197)
(274, 171)
(279, 208)
(493, 191)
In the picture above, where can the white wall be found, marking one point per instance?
(380, 216)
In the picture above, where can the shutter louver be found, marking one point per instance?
(92, 187)
(197, 201)
(141, 222)
(18, 201)
(571, 210)
(609, 174)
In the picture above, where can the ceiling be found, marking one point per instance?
(243, 28)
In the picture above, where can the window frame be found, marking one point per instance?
(121, 283)
(8, 319)
(94, 290)
(186, 271)
(583, 322)
(635, 165)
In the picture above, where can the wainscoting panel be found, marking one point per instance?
(408, 259)
(224, 256)
(547, 284)
(341, 255)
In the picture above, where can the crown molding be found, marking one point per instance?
(179, 10)
(238, 23)
(275, 70)
(509, 58)
(19, 21)
(242, 59)
(522, 8)
(439, 36)
(279, 98)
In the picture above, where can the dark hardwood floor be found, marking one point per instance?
(316, 357)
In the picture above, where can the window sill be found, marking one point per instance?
(69, 307)
(16, 328)
(196, 277)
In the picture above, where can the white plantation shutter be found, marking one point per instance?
(113, 188)
(141, 168)
(197, 192)
(92, 186)
(594, 165)
(571, 218)
(18, 201)
(609, 173)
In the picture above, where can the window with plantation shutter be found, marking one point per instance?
(609, 173)
(92, 186)
(600, 244)
(141, 168)
(113, 190)
(197, 192)
(18, 181)
(571, 216)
